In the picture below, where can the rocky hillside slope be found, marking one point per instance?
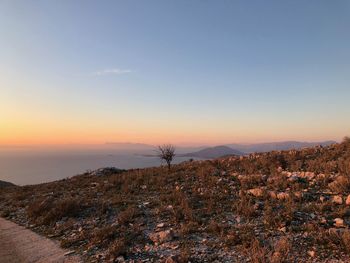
(5, 184)
(289, 206)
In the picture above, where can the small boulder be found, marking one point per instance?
(257, 192)
(338, 222)
(337, 199)
(311, 253)
(273, 194)
(282, 196)
(347, 202)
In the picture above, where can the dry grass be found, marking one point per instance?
(209, 200)
(49, 211)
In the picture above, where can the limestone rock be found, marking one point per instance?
(257, 192)
(282, 196)
(338, 222)
(337, 199)
(347, 202)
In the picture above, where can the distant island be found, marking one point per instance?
(213, 152)
(242, 149)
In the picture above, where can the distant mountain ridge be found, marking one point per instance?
(213, 152)
(242, 149)
(276, 146)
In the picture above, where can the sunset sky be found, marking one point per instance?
(90, 72)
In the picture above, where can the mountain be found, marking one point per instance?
(5, 184)
(277, 146)
(213, 152)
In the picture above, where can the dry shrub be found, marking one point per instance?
(330, 239)
(127, 215)
(257, 252)
(214, 228)
(189, 228)
(246, 235)
(70, 241)
(251, 181)
(184, 256)
(340, 185)
(48, 211)
(117, 248)
(281, 250)
(245, 206)
(40, 207)
(104, 234)
(278, 182)
(232, 238)
(64, 208)
(5, 213)
(345, 240)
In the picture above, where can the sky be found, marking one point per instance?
(184, 72)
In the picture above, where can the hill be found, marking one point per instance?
(5, 184)
(277, 146)
(279, 206)
(213, 152)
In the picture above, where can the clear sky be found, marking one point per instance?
(173, 71)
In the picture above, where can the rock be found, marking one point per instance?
(162, 236)
(273, 194)
(347, 202)
(282, 196)
(293, 178)
(120, 259)
(338, 222)
(298, 194)
(257, 192)
(337, 199)
(311, 253)
(69, 253)
(160, 225)
(323, 220)
(309, 175)
(94, 184)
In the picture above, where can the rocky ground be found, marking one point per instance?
(291, 206)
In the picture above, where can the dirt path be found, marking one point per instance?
(18, 244)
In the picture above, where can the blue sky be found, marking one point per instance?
(182, 71)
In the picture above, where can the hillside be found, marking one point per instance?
(213, 152)
(5, 184)
(281, 206)
(277, 146)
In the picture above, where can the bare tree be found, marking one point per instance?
(166, 152)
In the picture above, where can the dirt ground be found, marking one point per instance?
(18, 244)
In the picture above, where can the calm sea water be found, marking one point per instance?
(33, 168)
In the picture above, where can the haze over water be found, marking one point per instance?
(39, 167)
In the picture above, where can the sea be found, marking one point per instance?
(34, 167)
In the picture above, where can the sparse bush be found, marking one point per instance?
(48, 211)
(166, 153)
(117, 248)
